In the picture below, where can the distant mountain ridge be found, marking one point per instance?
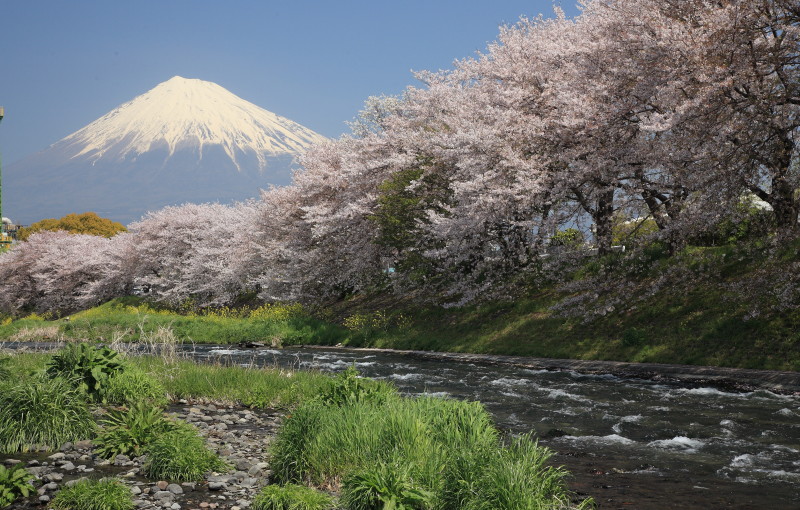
(185, 140)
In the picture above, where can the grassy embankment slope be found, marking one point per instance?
(697, 319)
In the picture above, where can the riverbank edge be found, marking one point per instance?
(730, 379)
(725, 378)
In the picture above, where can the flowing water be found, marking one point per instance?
(629, 443)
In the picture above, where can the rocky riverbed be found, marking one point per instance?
(239, 435)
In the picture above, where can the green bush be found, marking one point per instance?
(349, 388)
(291, 497)
(105, 494)
(43, 413)
(570, 238)
(15, 482)
(88, 366)
(132, 386)
(130, 432)
(634, 337)
(385, 486)
(180, 455)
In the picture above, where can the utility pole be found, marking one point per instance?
(5, 240)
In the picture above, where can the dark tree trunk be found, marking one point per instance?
(784, 206)
(603, 220)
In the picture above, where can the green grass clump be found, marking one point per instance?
(291, 497)
(181, 455)
(15, 482)
(105, 494)
(133, 386)
(42, 413)
(5, 371)
(129, 432)
(414, 453)
(517, 477)
(25, 365)
(385, 486)
(348, 388)
(250, 386)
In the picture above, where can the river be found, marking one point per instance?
(630, 443)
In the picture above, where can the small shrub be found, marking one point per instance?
(15, 482)
(384, 486)
(291, 497)
(43, 413)
(105, 494)
(130, 432)
(180, 455)
(634, 337)
(357, 322)
(88, 366)
(348, 388)
(132, 386)
(568, 238)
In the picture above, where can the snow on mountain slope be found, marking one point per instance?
(181, 112)
(185, 140)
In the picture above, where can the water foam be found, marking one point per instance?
(609, 439)
(680, 443)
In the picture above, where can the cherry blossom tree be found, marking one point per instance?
(59, 272)
(201, 252)
(729, 102)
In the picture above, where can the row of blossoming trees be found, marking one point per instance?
(661, 109)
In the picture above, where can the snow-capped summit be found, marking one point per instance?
(180, 113)
(185, 140)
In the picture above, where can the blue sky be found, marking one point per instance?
(65, 63)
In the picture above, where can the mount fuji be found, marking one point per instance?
(186, 140)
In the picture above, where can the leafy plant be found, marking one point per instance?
(14, 482)
(348, 387)
(128, 432)
(132, 386)
(291, 497)
(88, 366)
(180, 455)
(43, 412)
(387, 487)
(104, 494)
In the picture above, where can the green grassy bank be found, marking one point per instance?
(707, 306)
(696, 308)
(131, 319)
